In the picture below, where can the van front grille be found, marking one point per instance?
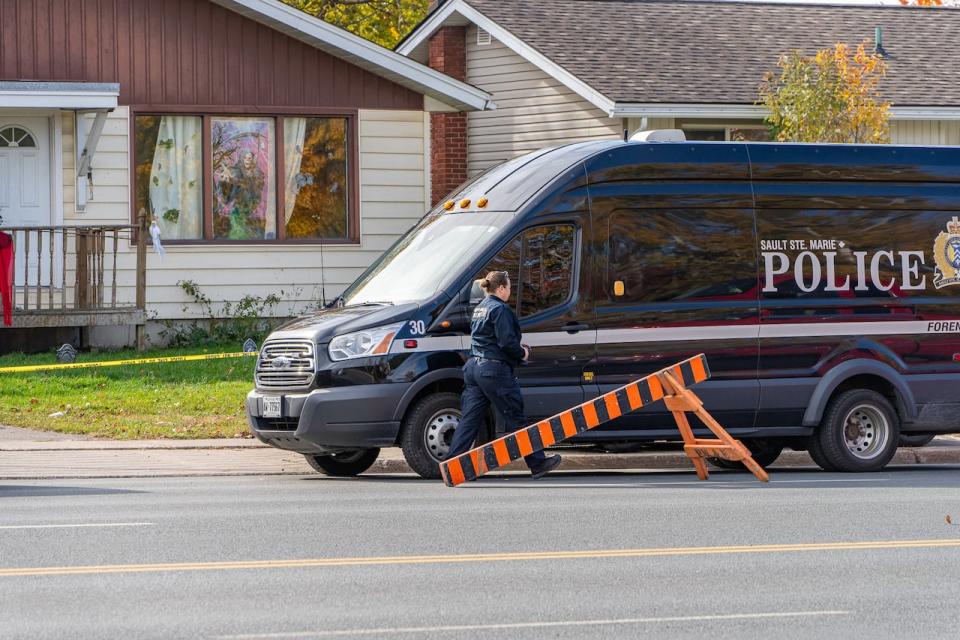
(286, 364)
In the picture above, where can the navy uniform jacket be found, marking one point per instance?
(496, 332)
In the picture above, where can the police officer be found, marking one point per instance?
(495, 352)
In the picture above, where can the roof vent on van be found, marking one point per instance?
(659, 135)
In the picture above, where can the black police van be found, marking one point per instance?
(821, 281)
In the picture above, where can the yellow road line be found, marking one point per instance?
(483, 557)
(118, 363)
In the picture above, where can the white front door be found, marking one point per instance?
(25, 190)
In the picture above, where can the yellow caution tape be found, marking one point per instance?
(119, 363)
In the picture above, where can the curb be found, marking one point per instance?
(679, 460)
(29, 460)
(130, 445)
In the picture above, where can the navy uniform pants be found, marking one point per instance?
(489, 381)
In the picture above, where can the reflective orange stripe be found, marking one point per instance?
(678, 374)
(699, 373)
(479, 464)
(633, 395)
(656, 389)
(590, 415)
(500, 450)
(569, 427)
(546, 433)
(455, 471)
(523, 443)
(613, 409)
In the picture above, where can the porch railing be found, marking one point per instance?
(83, 269)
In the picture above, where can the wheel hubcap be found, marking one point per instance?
(439, 433)
(866, 431)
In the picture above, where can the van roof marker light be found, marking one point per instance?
(465, 203)
(482, 202)
(449, 205)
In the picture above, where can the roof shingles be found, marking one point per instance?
(670, 51)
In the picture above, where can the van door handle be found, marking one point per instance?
(573, 327)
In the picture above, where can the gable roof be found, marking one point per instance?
(620, 54)
(363, 53)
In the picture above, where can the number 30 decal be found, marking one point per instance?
(417, 327)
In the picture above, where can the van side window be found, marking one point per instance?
(663, 256)
(540, 262)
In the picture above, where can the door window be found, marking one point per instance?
(13, 136)
(541, 262)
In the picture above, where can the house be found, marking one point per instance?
(276, 154)
(571, 70)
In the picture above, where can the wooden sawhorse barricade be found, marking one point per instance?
(669, 385)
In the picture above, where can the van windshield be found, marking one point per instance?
(431, 253)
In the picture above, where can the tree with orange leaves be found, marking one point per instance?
(929, 3)
(831, 96)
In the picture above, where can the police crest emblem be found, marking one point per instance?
(946, 254)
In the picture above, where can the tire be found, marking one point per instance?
(915, 441)
(350, 462)
(763, 452)
(817, 454)
(427, 432)
(860, 431)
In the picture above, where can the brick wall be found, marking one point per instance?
(448, 131)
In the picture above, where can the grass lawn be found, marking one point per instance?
(202, 399)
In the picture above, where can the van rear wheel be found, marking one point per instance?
(350, 462)
(859, 431)
(428, 431)
(763, 452)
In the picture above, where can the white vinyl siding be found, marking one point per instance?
(110, 201)
(925, 132)
(534, 110)
(393, 168)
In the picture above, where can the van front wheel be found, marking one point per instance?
(428, 431)
(860, 431)
(764, 453)
(350, 462)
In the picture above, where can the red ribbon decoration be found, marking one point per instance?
(6, 277)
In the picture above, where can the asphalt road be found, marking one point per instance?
(577, 555)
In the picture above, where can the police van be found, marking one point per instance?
(821, 281)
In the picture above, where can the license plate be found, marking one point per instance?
(270, 406)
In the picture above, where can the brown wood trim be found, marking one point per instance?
(207, 163)
(247, 110)
(281, 195)
(345, 242)
(353, 172)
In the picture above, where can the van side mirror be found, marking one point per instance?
(476, 294)
(459, 312)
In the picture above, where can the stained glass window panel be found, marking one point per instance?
(244, 186)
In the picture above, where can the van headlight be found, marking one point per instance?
(369, 342)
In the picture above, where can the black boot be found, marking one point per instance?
(548, 465)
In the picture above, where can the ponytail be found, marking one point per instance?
(493, 281)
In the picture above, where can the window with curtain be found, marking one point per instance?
(315, 177)
(262, 178)
(168, 181)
